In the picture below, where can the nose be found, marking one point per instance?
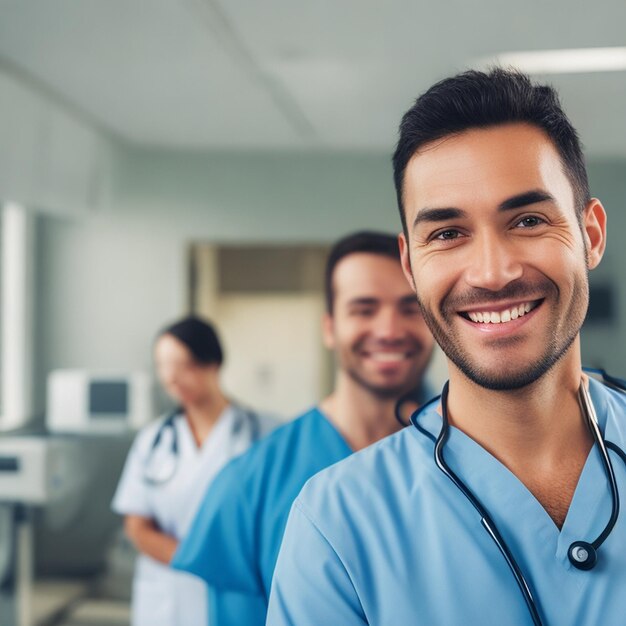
(388, 325)
(494, 262)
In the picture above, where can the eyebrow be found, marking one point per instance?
(525, 199)
(372, 301)
(408, 299)
(363, 301)
(514, 202)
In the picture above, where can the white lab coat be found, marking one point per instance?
(162, 596)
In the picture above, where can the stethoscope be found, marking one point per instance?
(161, 462)
(583, 555)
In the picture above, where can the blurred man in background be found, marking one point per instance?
(382, 347)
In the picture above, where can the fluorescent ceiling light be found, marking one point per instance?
(578, 60)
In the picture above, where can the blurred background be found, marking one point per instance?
(163, 156)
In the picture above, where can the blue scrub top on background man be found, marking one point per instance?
(382, 347)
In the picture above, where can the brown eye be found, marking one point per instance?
(530, 221)
(448, 234)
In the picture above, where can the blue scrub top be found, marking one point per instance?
(234, 540)
(385, 538)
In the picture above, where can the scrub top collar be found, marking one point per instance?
(520, 517)
(332, 425)
(428, 416)
(223, 424)
(425, 398)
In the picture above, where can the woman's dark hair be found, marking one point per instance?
(199, 337)
(364, 241)
(482, 99)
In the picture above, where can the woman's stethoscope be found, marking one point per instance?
(162, 460)
(582, 554)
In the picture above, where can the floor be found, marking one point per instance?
(100, 601)
(72, 603)
(67, 603)
(107, 603)
(98, 613)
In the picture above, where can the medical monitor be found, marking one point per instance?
(87, 402)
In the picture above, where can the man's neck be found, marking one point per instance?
(360, 416)
(538, 432)
(511, 421)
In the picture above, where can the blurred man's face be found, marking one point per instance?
(376, 327)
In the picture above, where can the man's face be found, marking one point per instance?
(376, 328)
(496, 252)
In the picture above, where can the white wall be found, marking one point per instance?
(606, 345)
(105, 286)
(256, 197)
(109, 280)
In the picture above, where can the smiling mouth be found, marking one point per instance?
(502, 316)
(389, 357)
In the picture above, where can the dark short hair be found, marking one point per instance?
(476, 99)
(199, 337)
(369, 242)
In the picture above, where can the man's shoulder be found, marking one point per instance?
(272, 450)
(610, 405)
(283, 435)
(379, 474)
(617, 398)
(608, 397)
(267, 423)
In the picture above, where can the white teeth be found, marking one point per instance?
(501, 317)
(387, 357)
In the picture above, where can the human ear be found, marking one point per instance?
(594, 231)
(405, 260)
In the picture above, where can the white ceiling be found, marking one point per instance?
(298, 75)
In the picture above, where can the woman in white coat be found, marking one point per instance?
(169, 467)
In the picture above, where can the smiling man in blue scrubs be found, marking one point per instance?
(500, 231)
(382, 346)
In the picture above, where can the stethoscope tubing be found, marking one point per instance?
(250, 416)
(488, 524)
(592, 421)
(486, 520)
(168, 423)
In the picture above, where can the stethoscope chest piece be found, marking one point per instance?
(582, 555)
